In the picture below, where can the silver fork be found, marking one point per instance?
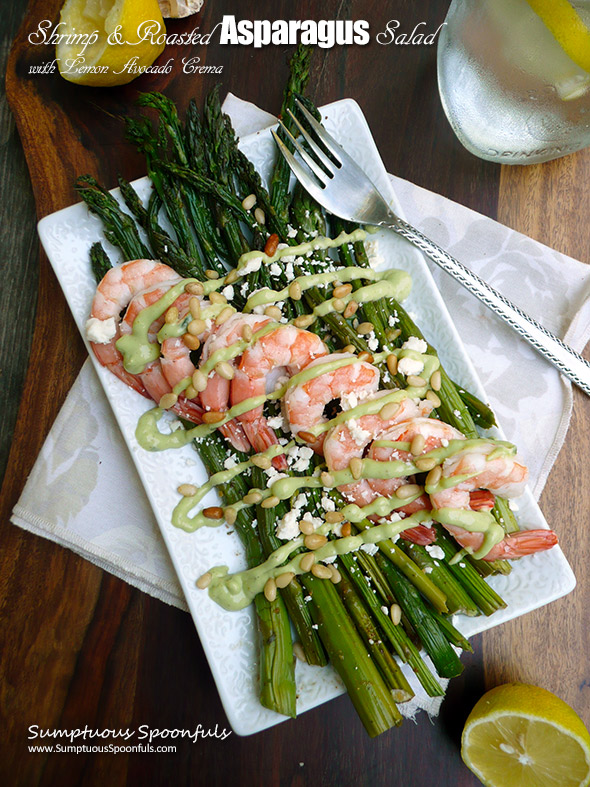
(340, 186)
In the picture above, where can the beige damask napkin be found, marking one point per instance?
(84, 492)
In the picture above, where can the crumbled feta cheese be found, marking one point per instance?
(228, 292)
(307, 599)
(385, 610)
(313, 520)
(457, 414)
(513, 505)
(251, 266)
(370, 549)
(392, 320)
(359, 435)
(276, 422)
(274, 269)
(337, 529)
(244, 289)
(435, 551)
(373, 342)
(409, 366)
(330, 559)
(428, 569)
(414, 343)
(229, 463)
(100, 331)
(288, 526)
(327, 504)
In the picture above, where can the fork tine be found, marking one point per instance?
(314, 167)
(300, 173)
(327, 163)
(326, 138)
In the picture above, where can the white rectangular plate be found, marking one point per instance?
(228, 637)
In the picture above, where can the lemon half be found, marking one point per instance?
(523, 736)
(89, 52)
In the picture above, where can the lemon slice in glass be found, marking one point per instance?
(567, 27)
(523, 736)
(108, 42)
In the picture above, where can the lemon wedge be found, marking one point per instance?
(108, 42)
(567, 27)
(519, 735)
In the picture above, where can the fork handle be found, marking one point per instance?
(568, 361)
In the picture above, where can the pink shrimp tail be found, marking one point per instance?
(421, 534)
(526, 542)
(234, 432)
(186, 408)
(261, 437)
(481, 500)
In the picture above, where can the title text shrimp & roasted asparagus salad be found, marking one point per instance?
(370, 508)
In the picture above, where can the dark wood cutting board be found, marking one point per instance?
(81, 647)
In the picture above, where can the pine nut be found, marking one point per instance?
(211, 274)
(326, 478)
(392, 363)
(321, 572)
(350, 348)
(191, 392)
(417, 445)
(194, 305)
(351, 308)
(306, 527)
(425, 463)
(307, 561)
(187, 490)
(336, 575)
(196, 327)
(270, 502)
(249, 202)
(273, 312)
(356, 467)
(171, 315)
(432, 397)
(224, 315)
(434, 476)
(342, 290)
(213, 512)
(393, 334)
(199, 380)
(192, 342)
(415, 381)
(366, 357)
(284, 579)
(247, 333)
(388, 411)
(213, 417)
(295, 291)
(194, 288)
(217, 297)
(231, 277)
(253, 497)
(346, 529)
(396, 614)
(338, 305)
(303, 321)
(270, 589)
(315, 541)
(435, 380)
(167, 401)
(225, 370)
(307, 437)
(407, 490)
(259, 216)
(333, 517)
(204, 580)
(365, 328)
(298, 652)
(230, 515)
(271, 244)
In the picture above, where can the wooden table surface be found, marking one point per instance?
(82, 648)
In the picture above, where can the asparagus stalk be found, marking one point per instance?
(388, 666)
(99, 261)
(432, 637)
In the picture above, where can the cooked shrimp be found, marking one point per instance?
(504, 475)
(279, 353)
(305, 403)
(154, 377)
(354, 437)
(217, 394)
(113, 294)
